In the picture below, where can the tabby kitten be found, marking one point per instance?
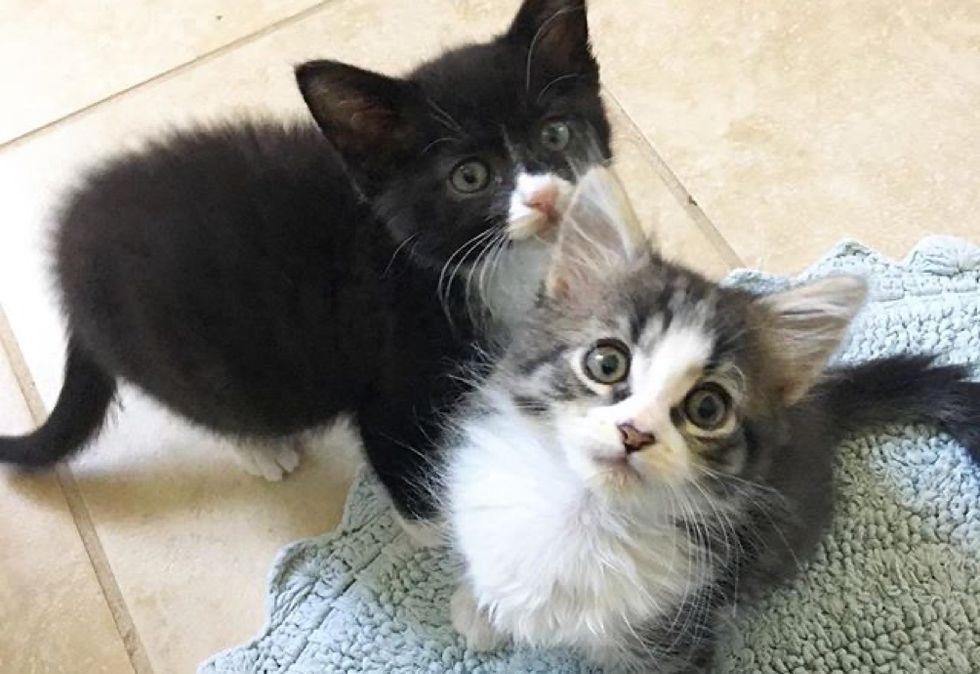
(653, 446)
(258, 279)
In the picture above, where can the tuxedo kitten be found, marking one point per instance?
(260, 278)
(652, 446)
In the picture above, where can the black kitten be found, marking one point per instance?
(260, 279)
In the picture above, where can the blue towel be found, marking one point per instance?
(895, 587)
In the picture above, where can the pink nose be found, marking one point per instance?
(545, 201)
(634, 439)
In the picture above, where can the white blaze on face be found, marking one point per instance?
(659, 381)
(536, 204)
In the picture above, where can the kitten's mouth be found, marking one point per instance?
(537, 225)
(617, 469)
(616, 462)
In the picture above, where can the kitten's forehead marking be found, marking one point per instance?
(661, 377)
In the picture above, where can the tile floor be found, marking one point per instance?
(753, 133)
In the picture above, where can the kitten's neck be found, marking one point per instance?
(512, 283)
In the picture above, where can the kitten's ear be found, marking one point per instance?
(367, 116)
(805, 326)
(598, 235)
(556, 33)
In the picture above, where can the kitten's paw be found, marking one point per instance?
(272, 461)
(472, 623)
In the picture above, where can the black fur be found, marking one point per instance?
(259, 279)
(79, 413)
(905, 388)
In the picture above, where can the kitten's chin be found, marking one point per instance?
(534, 225)
(608, 474)
(615, 477)
(629, 477)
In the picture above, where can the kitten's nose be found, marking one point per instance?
(545, 201)
(634, 439)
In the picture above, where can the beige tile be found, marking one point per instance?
(190, 538)
(796, 124)
(61, 55)
(668, 223)
(54, 616)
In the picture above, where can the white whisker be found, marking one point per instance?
(560, 78)
(398, 250)
(444, 282)
(445, 118)
(534, 42)
(444, 139)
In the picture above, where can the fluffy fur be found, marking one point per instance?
(259, 279)
(611, 516)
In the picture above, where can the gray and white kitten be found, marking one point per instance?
(653, 446)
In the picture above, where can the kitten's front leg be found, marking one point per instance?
(471, 622)
(398, 444)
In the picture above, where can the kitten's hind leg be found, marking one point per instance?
(471, 622)
(269, 459)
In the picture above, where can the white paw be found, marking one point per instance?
(471, 622)
(271, 461)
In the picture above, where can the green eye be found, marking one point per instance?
(555, 135)
(470, 176)
(708, 407)
(608, 362)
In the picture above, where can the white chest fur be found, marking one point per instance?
(547, 560)
(514, 279)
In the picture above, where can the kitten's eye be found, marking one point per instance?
(608, 362)
(470, 176)
(707, 407)
(555, 135)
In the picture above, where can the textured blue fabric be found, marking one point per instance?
(894, 588)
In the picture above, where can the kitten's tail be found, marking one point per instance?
(907, 388)
(76, 418)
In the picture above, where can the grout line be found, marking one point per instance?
(681, 193)
(81, 516)
(125, 625)
(167, 74)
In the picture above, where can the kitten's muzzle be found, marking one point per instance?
(545, 202)
(634, 440)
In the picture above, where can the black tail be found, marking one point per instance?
(77, 416)
(908, 388)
